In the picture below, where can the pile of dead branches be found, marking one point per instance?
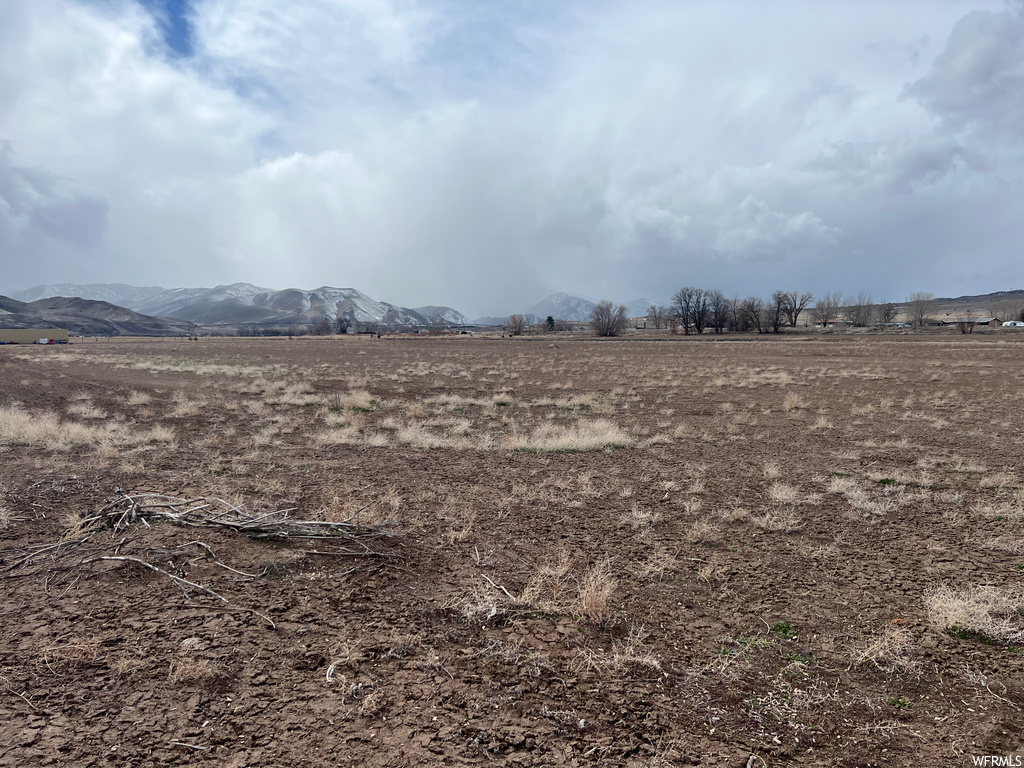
(127, 510)
(107, 536)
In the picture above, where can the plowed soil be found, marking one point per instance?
(682, 552)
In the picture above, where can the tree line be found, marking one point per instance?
(698, 310)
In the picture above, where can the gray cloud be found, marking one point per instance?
(429, 151)
(978, 79)
(34, 202)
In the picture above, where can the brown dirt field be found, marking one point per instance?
(613, 553)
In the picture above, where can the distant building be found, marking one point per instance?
(1014, 324)
(992, 322)
(33, 336)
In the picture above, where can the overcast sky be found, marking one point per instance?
(484, 154)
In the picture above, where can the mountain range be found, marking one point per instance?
(86, 317)
(246, 304)
(564, 306)
(117, 308)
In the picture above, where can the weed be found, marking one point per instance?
(784, 629)
(980, 613)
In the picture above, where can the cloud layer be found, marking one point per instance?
(447, 152)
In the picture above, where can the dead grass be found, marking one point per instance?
(779, 520)
(660, 563)
(629, 655)
(190, 667)
(86, 410)
(891, 651)
(986, 611)
(354, 400)
(596, 589)
(137, 399)
(584, 435)
(185, 407)
(640, 517)
(793, 402)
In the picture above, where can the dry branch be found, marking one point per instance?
(83, 545)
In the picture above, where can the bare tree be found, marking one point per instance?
(966, 321)
(516, 324)
(737, 320)
(690, 307)
(752, 314)
(921, 306)
(887, 312)
(776, 315)
(827, 307)
(656, 314)
(322, 327)
(796, 303)
(343, 321)
(860, 311)
(1007, 309)
(718, 310)
(606, 319)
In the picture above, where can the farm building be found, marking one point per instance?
(993, 322)
(33, 336)
(1014, 324)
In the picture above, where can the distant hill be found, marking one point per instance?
(86, 317)
(563, 306)
(639, 307)
(1006, 305)
(244, 303)
(442, 315)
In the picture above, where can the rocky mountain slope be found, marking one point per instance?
(245, 303)
(86, 317)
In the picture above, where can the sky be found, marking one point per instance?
(482, 155)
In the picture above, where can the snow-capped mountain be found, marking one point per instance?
(639, 307)
(243, 303)
(563, 306)
(130, 296)
(443, 315)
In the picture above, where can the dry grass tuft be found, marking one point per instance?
(793, 402)
(185, 408)
(701, 531)
(891, 651)
(659, 564)
(596, 589)
(136, 399)
(992, 613)
(580, 436)
(190, 667)
(782, 520)
(641, 518)
(46, 430)
(630, 655)
(86, 410)
(354, 400)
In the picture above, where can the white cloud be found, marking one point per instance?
(479, 155)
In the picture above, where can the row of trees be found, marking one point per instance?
(697, 310)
